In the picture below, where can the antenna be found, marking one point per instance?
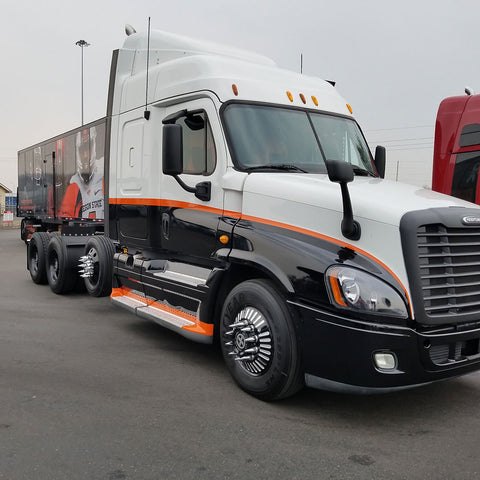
(146, 113)
(301, 63)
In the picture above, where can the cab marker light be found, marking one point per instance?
(290, 96)
(315, 101)
(302, 98)
(349, 108)
(235, 90)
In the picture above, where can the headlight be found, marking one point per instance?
(357, 290)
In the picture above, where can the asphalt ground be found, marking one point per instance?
(88, 391)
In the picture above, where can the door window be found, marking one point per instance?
(199, 155)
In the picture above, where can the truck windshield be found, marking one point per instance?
(274, 138)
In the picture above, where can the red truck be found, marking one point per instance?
(456, 154)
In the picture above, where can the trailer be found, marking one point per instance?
(241, 205)
(61, 181)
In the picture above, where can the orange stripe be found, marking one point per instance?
(160, 202)
(273, 223)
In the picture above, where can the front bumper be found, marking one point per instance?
(338, 353)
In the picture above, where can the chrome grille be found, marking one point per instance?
(449, 261)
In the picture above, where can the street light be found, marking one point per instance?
(82, 44)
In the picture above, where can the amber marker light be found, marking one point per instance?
(315, 101)
(302, 98)
(224, 239)
(349, 108)
(337, 294)
(235, 90)
(290, 96)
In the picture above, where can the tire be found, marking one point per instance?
(23, 232)
(99, 252)
(36, 257)
(271, 369)
(61, 265)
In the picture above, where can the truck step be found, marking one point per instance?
(184, 323)
(183, 273)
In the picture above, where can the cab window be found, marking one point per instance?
(199, 155)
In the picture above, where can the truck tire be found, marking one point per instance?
(61, 265)
(36, 257)
(99, 251)
(259, 341)
(23, 231)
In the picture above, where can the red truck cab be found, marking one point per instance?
(456, 154)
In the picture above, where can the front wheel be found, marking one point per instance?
(259, 341)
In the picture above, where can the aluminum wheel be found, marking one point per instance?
(54, 267)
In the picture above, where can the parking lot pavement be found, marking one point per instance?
(91, 392)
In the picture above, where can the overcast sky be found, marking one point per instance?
(393, 61)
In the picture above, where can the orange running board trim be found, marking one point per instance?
(198, 327)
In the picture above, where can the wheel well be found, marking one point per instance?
(231, 278)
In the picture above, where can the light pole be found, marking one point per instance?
(82, 44)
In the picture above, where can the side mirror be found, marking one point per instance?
(172, 150)
(380, 160)
(342, 173)
(172, 161)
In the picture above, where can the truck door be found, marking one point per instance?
(189, 225)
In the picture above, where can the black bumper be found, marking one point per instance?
(338, 353)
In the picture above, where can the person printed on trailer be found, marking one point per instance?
(84, 197)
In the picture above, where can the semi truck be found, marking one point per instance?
(238, 203)
(456, 152)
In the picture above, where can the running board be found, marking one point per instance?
(186, 274)
(183, 323)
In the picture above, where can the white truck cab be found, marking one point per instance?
(245, 207)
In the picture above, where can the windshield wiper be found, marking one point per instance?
(282, 167)
(362, 172)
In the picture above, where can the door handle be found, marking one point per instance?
(166, 226)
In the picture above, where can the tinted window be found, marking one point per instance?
(199, 155)
(465, 176)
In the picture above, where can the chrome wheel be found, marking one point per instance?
(89, 265)
(259, 342)
(34, 261)
(54, 268)
(250, 341)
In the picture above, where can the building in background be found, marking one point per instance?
(3, 191)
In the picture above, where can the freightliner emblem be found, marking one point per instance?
(471, 220)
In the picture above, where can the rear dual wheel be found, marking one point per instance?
(62, 265)
(259, 341)
(37, 257)
(98, 264)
